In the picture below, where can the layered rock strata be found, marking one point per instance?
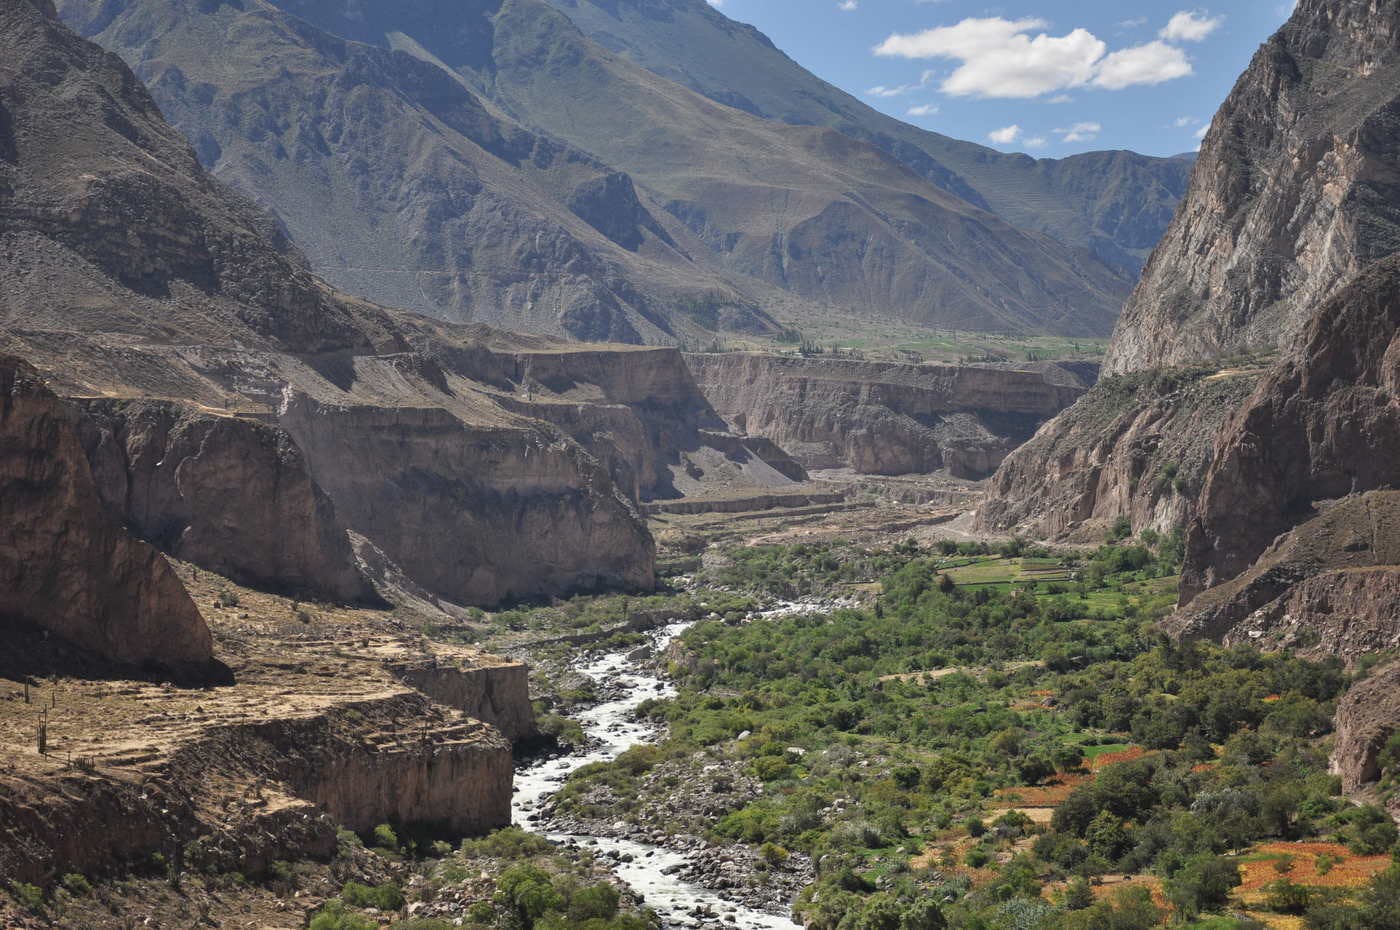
(884, 418)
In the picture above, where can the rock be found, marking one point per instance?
(1367, 716)
(1323, 424)
(66, 564)
(1292, 195)
(1134, 447)
(1326, 588)
(229, 494)
(886, 418)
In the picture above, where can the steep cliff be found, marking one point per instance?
(884, 418)
(1367, 717)
(476, 512)
(1323, 424)
(218, 312)
(1297, 188)
(1330, 586)
(66, 564)
(1134, 447)
(224, 492)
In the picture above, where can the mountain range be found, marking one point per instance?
(634, 171)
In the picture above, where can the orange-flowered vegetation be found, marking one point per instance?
(1315, 865)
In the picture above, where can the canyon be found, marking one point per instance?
(886, 418)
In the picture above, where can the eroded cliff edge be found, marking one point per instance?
(66, 564)
(886, 418)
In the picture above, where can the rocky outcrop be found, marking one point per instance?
(1330, 586)
(496, 692)
(236, 796)
(224, 492)
(66, 564)
(475, 512)
(1134, 447)
(880, 417)
(1323, 424)
(1367, 716)
(1296, 190)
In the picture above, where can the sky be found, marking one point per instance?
(1045, 77)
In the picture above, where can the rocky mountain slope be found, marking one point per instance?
(1366, 719)
(1134, 447)
(1296, 190)
(1115, 204)
(885, 418)
(129, 273)
(1324, 424)
(685, 215)
(1294, 194)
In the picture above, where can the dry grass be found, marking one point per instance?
(1348, 871)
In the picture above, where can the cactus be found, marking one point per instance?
(44, 734)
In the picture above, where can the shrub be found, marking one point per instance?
(77, 884)
(386, 897)
(334, 916)
(28, 896)
(1203, 884)
(385, 838)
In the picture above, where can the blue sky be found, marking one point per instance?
(1047, 77)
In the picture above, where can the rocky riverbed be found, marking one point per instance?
(688, 881)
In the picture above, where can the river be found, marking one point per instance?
(611, 728)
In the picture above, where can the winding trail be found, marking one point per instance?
(611, 729)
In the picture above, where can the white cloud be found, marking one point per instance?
(1061, 98)
(1183, 121)
(1016, 58)
(1201, 133)
(999, 57)
(1005, 136)
(1080, 132)
(1190, 26)
(1151, 63)
(881, 90)
(1035, 142)
(847, 5)
(923, 109)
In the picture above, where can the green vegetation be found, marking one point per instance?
(899, 746)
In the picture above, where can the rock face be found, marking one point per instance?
(1327, 587)
(1134, 447)
(1295, 191)
(497, 693)
(474, 513)
(884, 418)
(226, 493)
(66, 565)
(408, 149)
(1323, 424)
(1366, 718)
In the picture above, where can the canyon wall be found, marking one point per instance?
(1134, 447)
(1295, 191)
(496, 692)
(227, 493)
(66, 564)
(1367, 717)
(1325, 423)
(477, 513)
(882, 417)
(1327, 587)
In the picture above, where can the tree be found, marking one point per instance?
(1203, 884)
(923, 914)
